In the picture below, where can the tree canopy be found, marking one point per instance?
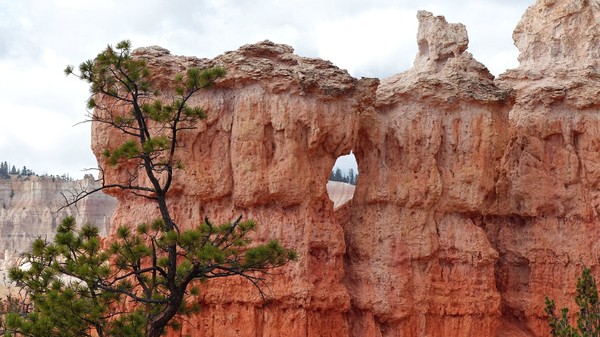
(338, 175)
(6, 170)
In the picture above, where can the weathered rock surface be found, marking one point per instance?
(477, 196)
(29, 209)
(547, 188)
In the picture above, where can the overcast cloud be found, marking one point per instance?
(38, 38)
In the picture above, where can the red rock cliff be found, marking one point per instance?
(476, 197)
(276, 125)
(419, 260)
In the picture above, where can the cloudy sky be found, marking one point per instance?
(40, 107)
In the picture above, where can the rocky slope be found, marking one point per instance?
(476, 197)
(29, 209)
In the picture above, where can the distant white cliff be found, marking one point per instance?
(29, 208)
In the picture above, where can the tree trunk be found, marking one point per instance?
(156, 325)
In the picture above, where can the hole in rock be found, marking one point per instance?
(342, 180)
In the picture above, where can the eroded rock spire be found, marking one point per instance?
(439, 40)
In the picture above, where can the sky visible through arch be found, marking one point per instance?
(40, 109)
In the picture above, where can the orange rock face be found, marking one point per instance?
(476, 196)
(419, 260)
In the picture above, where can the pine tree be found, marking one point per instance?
(338, 176)
(4, 170)
(26, 172)
(351, 177)
(159, 264)
(588, 319)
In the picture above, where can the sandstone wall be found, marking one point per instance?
(476, 196)
(547, 205)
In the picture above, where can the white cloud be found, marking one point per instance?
(369, 41)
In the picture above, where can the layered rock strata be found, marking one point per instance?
(476, 196)
(29, 208)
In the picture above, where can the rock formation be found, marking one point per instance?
(29, 208)
(429, 154)
(476, 196)
(276, 124)
(547, 186)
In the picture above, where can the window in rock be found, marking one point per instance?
(342, 180)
